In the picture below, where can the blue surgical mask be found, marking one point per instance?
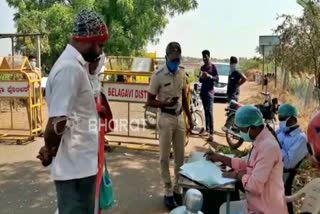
(173, 67)
(283, 125)
(245, 136)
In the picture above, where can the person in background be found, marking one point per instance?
(168, 92)
(208, 77)
(36, 121)
(265, 83)
(71, 142)
(33, 61)
(292, 139)
(236, 79)
(261, 174)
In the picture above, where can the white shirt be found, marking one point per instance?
(69, 93)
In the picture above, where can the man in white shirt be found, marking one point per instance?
(71, 135)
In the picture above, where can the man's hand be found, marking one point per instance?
(191, 125)
(45, 156)
(215, 78)
(170, 102)
(212, 156)
(204, 75)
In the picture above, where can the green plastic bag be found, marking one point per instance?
(106, 200)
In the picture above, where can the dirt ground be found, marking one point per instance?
(25, 186)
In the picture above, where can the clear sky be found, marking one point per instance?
(6, 26)
(225, 27)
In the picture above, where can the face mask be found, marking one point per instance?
(283, 125)
(90, 54)
(33, 64)
(233, 67)
(101, 64)
(245, 136)
(173, 66)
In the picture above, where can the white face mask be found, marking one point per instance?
(101, 64)
(233, 67)
(33, 64)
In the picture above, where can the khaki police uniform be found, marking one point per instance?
(171, 123)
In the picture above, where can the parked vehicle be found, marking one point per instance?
(269, 109)
(220, 88)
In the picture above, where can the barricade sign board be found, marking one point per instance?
(14, 89)
(126, 92)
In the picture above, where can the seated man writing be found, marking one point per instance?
(261, 173)
(292, 139)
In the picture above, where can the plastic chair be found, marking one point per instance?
(311, 194)
(235, 207)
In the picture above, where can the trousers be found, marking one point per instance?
(171, 132)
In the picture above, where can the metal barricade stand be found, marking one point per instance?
(131, 90)
(20, 82)
(132, 93)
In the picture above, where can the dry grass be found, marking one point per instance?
(251, 74)
(305, 112)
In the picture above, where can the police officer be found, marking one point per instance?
(168, 92)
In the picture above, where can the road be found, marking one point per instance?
(25, 186)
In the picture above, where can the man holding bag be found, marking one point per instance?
(71, 140)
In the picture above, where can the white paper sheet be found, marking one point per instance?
(204, 172)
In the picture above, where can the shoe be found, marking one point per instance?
(210, 138)
(178, 198)
(204, 134)
(170, 202)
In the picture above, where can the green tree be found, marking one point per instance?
(248, 64)
(299, 51)
(132, 23)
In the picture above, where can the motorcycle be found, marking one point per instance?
(196, 110)
(269, 109)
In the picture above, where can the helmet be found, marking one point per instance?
(314, 137)
(193, 201)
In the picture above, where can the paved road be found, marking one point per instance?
(25, 186)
